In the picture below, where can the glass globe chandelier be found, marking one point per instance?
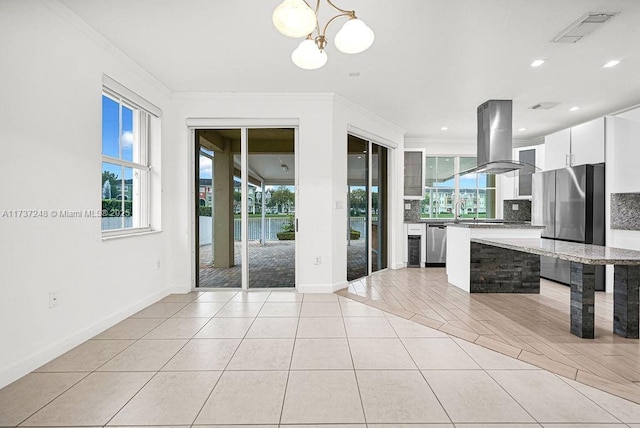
(295, 18)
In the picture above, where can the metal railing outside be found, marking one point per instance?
(273, 225)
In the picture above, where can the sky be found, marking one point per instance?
(114, 144)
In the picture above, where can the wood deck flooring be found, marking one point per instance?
(531, 328)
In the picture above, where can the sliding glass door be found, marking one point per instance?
(358, 208)
(367, 217)
(218, 196)
(245, 200)
(271, 208)
(379, 206)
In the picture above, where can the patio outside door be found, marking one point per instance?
(271, 208)
(367, 188)
(245, 198)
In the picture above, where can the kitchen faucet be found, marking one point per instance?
(456, 209)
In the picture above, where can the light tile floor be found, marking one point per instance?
(282, 359)
(534, 328)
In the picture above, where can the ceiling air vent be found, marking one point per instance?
(584, 26)
(544, 106)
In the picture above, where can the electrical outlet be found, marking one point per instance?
(515, 207)
(318, 260)
(158, 264)
(53, 299)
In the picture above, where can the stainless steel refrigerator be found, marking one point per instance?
(569, 203)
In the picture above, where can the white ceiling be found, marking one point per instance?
(432, 63)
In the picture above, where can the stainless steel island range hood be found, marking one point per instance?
(495, 139)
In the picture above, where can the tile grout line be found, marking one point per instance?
(97, 368)
(588, 398)
(159, 370)
(57, 396)
(224, 370)
(511, 396)
(355, 374)
(293, 350)
(423, 377)
(519, 354)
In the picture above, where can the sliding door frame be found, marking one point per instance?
(244, 125)
(390, 147)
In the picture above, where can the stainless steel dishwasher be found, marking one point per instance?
(436, 244)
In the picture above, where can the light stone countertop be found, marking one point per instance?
(490, 225)
(575, 252)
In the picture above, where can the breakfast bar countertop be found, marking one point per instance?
(572, 251)
(494, 225)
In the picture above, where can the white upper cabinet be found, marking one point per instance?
(587, 142)
(580, 145)
(557, 148)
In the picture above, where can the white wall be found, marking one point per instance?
(622, 152)
(321, 167)
(50, 159)
(443, 147)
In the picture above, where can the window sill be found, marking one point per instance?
(108, 236)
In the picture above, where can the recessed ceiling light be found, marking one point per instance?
(522, 129)
(537, 62)
(611, 63)
(574, 108)
(444, 128)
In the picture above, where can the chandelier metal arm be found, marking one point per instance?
(347, 13)
(350, 13)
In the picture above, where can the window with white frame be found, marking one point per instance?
(125, 164)
(450, 193)
(477, 192)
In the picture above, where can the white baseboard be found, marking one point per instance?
(321, 288)
(340, 286)
(36, 359)
(315, 288)
(400, 265)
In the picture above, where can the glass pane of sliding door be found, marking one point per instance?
(358, 207)
(271, 207)
(379, 207)
(218, 208)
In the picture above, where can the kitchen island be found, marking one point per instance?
(583, 258)
(458, 266)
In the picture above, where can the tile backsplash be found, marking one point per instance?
(412, 213)
(516, 210)
(625, 211)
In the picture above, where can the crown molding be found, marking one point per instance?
(339, 99)
(298, 96)
(65, 13)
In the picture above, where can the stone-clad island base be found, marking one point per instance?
(583, 258)
(626, 301)
(498, 270)
(583, 299)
